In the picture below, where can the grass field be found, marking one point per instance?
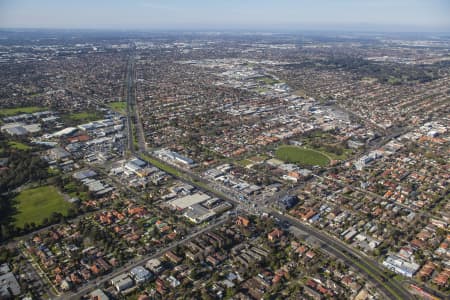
(19, 146)
(120, 106)
(20, 110)
(160, 165)
(303, 156)
(345, 154)
(244, 163)
(77, 118)
(34, 205)
(85, 116)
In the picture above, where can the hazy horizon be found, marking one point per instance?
(262, 15)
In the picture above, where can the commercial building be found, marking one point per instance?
(58, 153)
(198, 214)
(186, 201)
(401, 266)
(20, 128)
(141, 274)
(122, 282)
(288, 201)
(9, 287)
(155, 265)
(98, 295)
(174, 157)
(81, 175)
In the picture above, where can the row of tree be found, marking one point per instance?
(22, 167)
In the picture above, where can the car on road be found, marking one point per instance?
(285, 224)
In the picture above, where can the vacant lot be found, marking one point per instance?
(20, 110)
(120, 106)
(34, 205)
(302, 156)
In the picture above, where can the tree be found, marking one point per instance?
(22, 168)
(4, 232)
(55, 217)
(230, 292)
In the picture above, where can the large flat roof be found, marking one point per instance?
(186, 201)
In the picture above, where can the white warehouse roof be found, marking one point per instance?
(186, 201)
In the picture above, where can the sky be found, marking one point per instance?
(264, 15)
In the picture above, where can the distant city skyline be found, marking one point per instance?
(364, 15)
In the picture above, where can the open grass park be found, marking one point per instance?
(19, 146)
(85, 116)
(36, 204)
(302, 156)
(119, 106)
(5, 112)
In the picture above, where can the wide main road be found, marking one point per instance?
(129, 90)
(140, 261)
(136, 137)
(391, 288)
